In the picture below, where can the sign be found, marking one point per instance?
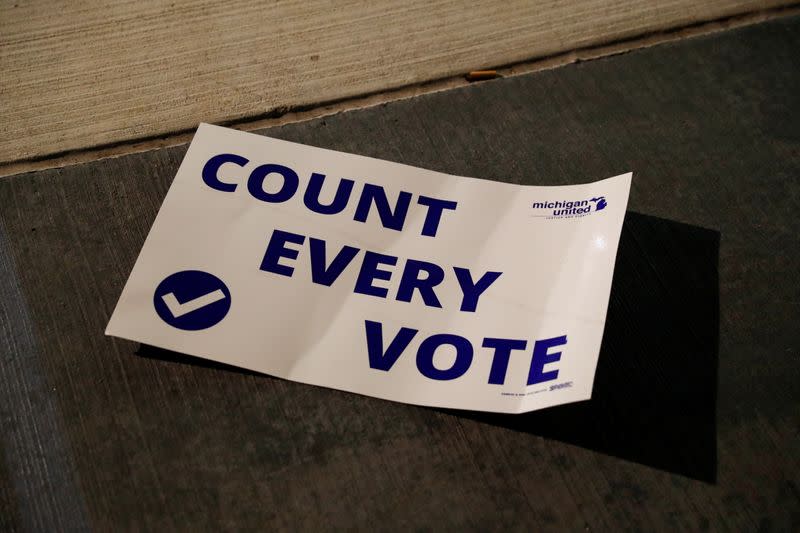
(373, 277)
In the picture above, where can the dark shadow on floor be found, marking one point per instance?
(654, 398)
(153, 352)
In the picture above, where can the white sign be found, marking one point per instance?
(373, 277)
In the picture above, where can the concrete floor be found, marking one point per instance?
(81, 75)
(97, 100)
(694, 417)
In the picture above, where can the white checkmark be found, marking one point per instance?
(179, 309)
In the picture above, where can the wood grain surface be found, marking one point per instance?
(85, 74)
(694, 421)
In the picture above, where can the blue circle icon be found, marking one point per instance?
(192, 300)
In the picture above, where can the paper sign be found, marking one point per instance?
(373, 277)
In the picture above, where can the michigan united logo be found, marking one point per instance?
(570, 209)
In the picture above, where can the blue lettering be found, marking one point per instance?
(502, 353)
(417, 276)
(391, 217)
(410, 281)
(377, 195)
(276, 249)
(255, 184)
(211, 171)
(370, 272)
(428, 348)
(385, 360)
(541, 357)
(378, 359)
(311, 197)
(434, 214)
(472, 291)
(326, 276)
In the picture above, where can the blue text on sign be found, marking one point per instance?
(391, 218)
(381, 358)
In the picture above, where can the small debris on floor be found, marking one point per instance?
(479, 75)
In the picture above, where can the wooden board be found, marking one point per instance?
(85, 74)
(693, 424)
